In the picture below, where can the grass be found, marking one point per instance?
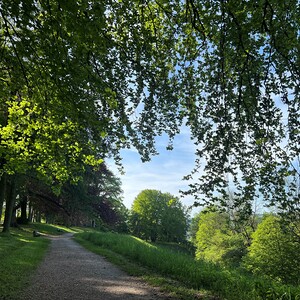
(176, 273)
(134, 268)
(189, 279)
(50, 229)
(178, 248)
(20, 254)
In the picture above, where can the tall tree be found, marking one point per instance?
(158, 216)
(97, 197)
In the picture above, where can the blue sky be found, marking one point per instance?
(164, 172)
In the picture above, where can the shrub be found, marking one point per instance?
(274, 252)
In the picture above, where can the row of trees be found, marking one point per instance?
(95, 200)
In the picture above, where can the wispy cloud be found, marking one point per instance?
(164, 172)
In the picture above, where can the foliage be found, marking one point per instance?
(96, 197)
(71, 95)
(193, 227)
(246, 118)
(68, 92)
(216, 241)
(225, 283)
(158, 216)
(274, 252)
(108, 205)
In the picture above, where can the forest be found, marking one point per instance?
(82, 80)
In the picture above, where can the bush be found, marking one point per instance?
(216, 242)
(274, 252)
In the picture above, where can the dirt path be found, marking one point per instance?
(71, 272)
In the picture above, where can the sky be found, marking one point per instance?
(164, 172)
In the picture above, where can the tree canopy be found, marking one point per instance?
(217, 240)
(81, 80)
(158, 216)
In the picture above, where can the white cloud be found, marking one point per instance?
(164, 172)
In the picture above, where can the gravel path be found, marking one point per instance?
(69, 272)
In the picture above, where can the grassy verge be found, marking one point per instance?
(20, 254)
(134, 268)
(191, 276)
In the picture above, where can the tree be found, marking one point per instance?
(158, 216)
(67, 92)
(131, 70)
(274, 252)
(106, 202)
(217, 241)
(2, 193)
(247, 115)
(194, 227)
(96, 199)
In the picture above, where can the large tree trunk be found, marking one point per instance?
(2, 192)
(10, 202)
(23, 205)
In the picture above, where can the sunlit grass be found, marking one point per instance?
(194, 275)
(44, 228)
(26, 241)
(20, 254)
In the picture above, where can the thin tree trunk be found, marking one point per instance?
(30, 214)
(2, 192)
(10, 202)
(38, 217)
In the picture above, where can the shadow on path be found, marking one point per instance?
(71, 272)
